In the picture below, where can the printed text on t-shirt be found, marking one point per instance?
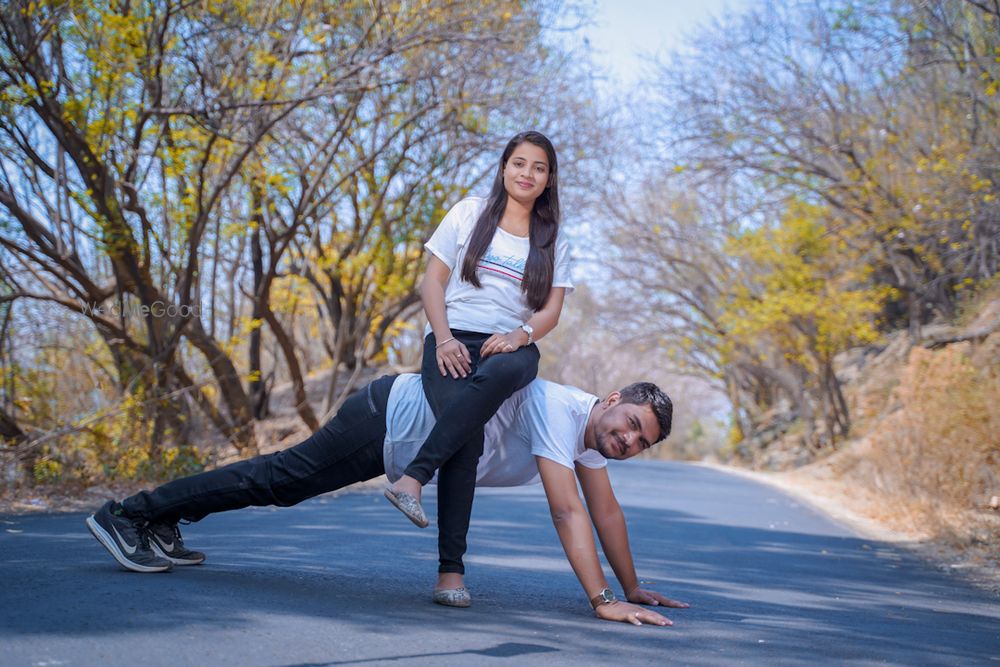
(509, 266)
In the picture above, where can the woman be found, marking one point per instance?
(495, 283)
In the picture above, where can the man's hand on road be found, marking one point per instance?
(642, 596)
(630, 613)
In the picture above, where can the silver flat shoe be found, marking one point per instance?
(408, 505)
(453, 597)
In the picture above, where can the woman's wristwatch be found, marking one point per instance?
(528, 329)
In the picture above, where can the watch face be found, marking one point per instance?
(608, 595)
(527, 328)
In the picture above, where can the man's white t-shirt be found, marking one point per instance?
(500, 305)
(543, 419)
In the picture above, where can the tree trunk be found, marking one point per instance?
(230, 387)
(9, 430)
(294, 370)
(258, 388)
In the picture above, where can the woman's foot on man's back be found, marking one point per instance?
(405, 496)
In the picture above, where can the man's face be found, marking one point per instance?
(625, 429)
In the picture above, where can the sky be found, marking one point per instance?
(622, 34)
(624, 30)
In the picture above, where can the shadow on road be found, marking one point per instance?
(505, 650)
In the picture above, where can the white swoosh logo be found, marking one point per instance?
(167, 546)
(129, 549)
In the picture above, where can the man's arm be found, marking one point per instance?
(609, 520)
(573, 526)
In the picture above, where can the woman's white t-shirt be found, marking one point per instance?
(499, 305)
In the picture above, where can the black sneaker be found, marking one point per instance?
(165, 538)
(127, 540)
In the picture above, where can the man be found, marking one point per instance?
(546, 430)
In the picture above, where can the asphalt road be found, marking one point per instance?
(346, 580)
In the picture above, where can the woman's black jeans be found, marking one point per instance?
(461, 408)
(347, 449)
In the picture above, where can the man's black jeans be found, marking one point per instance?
(461, 408)
(347, 449)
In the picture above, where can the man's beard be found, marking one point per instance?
(609, 446)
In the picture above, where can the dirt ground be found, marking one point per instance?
(868, 516)
(48, 499)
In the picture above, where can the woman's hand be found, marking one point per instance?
(500, 343)
(453, 358)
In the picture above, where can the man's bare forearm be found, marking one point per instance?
(577, 539)
(613, 533)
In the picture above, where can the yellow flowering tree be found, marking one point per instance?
(152, 150)
(798, 300)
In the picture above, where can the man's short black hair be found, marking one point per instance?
(647, 393)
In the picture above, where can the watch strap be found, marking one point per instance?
(607, 596)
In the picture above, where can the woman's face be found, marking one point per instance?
(526, 174)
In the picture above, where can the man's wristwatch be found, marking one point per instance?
(528, 329)
(607, 596)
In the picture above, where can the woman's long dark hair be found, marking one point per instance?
(540, 267)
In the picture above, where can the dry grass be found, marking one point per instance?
(928, 465)
(941, 449)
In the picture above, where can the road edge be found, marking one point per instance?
(943, 557)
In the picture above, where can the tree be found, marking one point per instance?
(167, 166)
(872, 118)
(850, 104)
(797, 302)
